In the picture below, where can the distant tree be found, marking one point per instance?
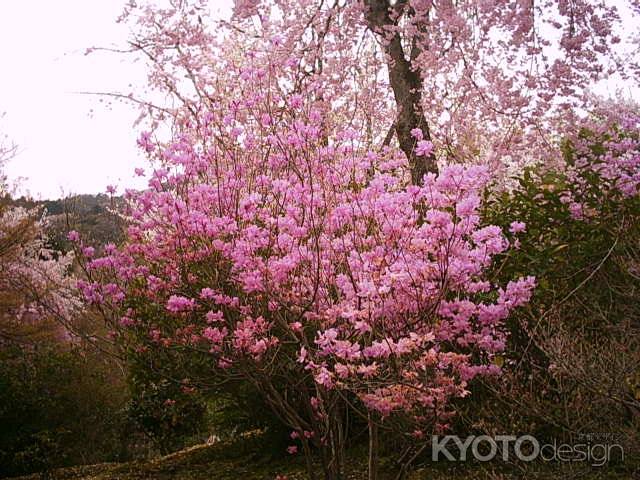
(34, 287)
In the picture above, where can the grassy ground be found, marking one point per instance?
(238, 462)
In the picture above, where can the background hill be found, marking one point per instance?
(91, 215)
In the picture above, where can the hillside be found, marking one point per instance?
(91, 215)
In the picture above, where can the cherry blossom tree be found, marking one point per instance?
(34, 286)
(485, 81)
(7, 152)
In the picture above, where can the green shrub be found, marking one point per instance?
(58, 407)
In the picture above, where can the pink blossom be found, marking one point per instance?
(417, 134)
(215, 335)
(144, 141)
(324, 378)
(126, 321)
(213, 317)
(517, 227)
(179, 303)
(207, 293)
(424, 148)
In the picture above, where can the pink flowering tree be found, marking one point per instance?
(278, 246)
(294, 234)
(483, 81)
(35, 288)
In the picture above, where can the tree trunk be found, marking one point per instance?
(373, 448)
(406, 84)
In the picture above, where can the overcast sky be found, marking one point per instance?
(68, 143)
(71, 143)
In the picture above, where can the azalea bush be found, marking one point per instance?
(276, 253)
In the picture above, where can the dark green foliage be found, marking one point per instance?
(175, 412)
(170, 417)
(572, 363)
(57, 407)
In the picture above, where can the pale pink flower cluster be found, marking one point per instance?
(34, 271)
(605, 146)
